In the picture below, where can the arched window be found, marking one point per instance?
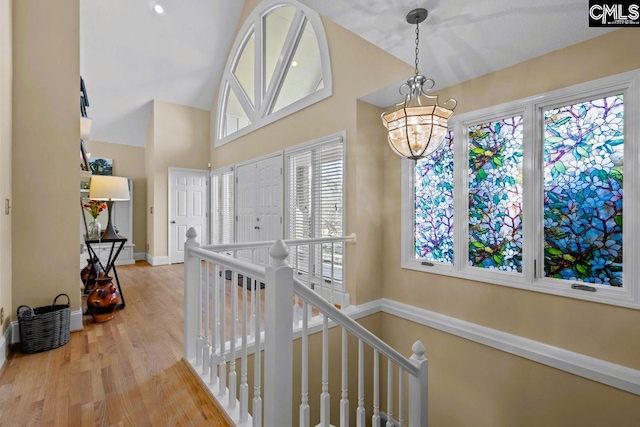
(279, 64)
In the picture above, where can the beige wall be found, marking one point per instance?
(334, 114)
(180, 139)
(368, 153)
(45, 158)
(505, 385)
(128, 161)
(474, 385)
(6, 70)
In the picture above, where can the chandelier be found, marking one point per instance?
(419, 124)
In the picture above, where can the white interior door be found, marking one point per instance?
(259, 205)
(269, 204)
(246, 207)
(187, 208)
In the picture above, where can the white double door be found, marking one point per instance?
(259, 205)
(187, 208)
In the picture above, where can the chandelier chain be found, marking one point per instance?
(417, 48)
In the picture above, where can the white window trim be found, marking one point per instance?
(529, 279)
(264, 96)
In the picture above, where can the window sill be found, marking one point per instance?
(603, 294)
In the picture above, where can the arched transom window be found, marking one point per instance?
(278, 65)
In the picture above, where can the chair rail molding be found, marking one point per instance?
(611, 374)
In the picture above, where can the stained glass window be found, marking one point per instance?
(433, 229)
(495, 195)
(583, 158)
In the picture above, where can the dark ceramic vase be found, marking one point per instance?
(103, 300)
(89, 273)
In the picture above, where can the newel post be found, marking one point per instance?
(278, 349)
(191, 280)
(418, 387)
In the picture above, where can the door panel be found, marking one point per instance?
(181, 209)
(269, 210)
(188, 205)
(246, 204)
(259, 208)
(198, 206)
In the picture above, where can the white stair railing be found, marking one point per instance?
(216, 336)
(318, 262)
(212, 346)
(415, 368)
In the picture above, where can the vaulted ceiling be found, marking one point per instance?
(130, 55)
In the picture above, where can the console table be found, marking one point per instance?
(116, 247)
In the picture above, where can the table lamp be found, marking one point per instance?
(109, 189)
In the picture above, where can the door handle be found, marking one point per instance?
(173, 222)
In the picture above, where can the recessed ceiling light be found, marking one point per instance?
(294, 64)
(159, 9)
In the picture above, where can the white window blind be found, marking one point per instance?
(315, 183)
(222, 196)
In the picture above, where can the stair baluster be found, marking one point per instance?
(205, 330)
(244, 387)
(325, 399)
(234, 340)
(222, 376)
(400, 397)
(389, 393)
(257, 374)
(304, 404)
(375, 419)
(360, 413)
(200, 341)
(215, 332)
(344, 402)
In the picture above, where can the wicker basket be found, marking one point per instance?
(44, 328)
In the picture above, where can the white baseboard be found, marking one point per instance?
(140, 256)
(608, 373)
(75, 324)
(75, 321)
(157, 260)
(5, 340)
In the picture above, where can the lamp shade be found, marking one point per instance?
(109, 188)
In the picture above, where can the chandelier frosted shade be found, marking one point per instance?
(416, 132)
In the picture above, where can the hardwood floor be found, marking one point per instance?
(125, 372)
